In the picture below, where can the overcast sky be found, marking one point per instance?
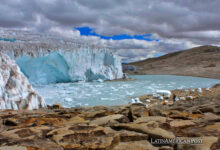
(170, 25)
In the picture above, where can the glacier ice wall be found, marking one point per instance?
(48, 59)
(71, 65)
(15, 90)
(57, 66)
(92, 64)
(46, 69)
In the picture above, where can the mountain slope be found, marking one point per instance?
(201, 61)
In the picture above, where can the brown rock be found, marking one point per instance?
(76, 120)
(214, 127)
(139, 111)
(29, 137)
(128, 136)
(25, 133)
(211, 117)
(110, 120)
(158, 119)
(166, 148)
(181, 123)
(211, 130)
(10, 122)
(175, 114)
(13, 148)
(207, 143)
(206, 109)
(56, 106)
(155, 112)
(151, 129)
(55, 121)
(98, 113)
(135, 145)
(84, 137)
(195, 116)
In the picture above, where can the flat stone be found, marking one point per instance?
(181, 123)
(211, 117)
(151, 118)
(195, 116)
(175, 114)
(207, 143)
(166, 148)
(151, 129)
(76, 120)
(135, 145)
(109, 120)
(213, 127)
(98, 113)
(30, 137)
(127, 136)
(205, 109)
(84, 137)
(13, 148)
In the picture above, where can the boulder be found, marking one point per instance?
(15, 90)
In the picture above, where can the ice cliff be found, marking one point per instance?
(45, 59)
(15, 90)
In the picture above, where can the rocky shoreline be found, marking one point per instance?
(134, 126)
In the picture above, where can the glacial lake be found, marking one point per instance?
(116, 92)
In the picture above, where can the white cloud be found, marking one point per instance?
(177, 24)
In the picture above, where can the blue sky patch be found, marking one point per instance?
(87, 31)
(158, 54)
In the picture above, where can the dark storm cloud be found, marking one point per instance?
(195, 21)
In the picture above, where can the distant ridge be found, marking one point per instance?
(203, 61)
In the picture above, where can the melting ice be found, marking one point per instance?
(116, 92)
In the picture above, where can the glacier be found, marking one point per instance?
(46, 59)
(15, 90)
(70, 66)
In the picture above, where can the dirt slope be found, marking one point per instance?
(201, 61)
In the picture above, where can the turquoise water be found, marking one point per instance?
(116, 92)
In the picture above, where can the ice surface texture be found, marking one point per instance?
(46, 59)
(15, 90)
(71, 65)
